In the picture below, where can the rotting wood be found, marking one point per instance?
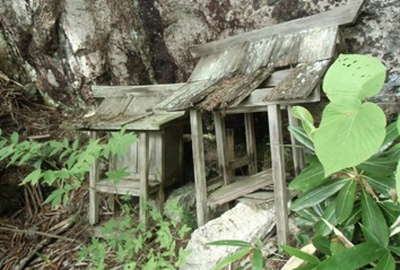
(232, 91)
(196, 126)
(300, 82)
(144, 176)
(251, 148)
(337, 16)
(239, 162)
(223, 161)
(230, 148)
(255, 102)
(240, 187)
(297, 152)
(100, 91)
(278, 173)
(125, 187)
(93, 211)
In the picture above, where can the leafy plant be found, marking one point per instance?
(61, 164)
(134, 246)
(349, 187)
(246, 249)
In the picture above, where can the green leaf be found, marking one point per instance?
(317, 195)
(322, 244)
(306, 118)
(234, 243)
(349, 134)
(392, 133)
(56, 197)
(352, 258)
(311, 177)
(345, 201)
(33, 177)
(301, 255)
(257, 261)
(336, 246)
(302, 137)
(374, 221)
(14, 138)
(321, 228)
(117, 175)
(232, 258)
(397, 176)
(354, 77)
(386, 262)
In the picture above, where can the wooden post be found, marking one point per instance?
(223, 161)
(161, 194)
(297, 152)
(278, 172)
(230, 148)
(251, 142)
(144, 176)
(93, 196)
(199, 167)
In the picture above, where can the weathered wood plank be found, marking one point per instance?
(337, 16)
(223, 161)
(255, 102)
(232, 91)
(101, 91)
(230, 148)
(240, 187)
(300, 82)
(297, 151)
(196, 126)
(112, 107)
(278, 172)
(125, 187)
(93, 196)
(239, 162)
(277, 77)
(144, 176)
(250, 142)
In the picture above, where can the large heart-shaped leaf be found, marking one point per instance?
(350, 133)
(354, 77)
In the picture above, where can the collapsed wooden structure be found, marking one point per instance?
(160, 134)
(266, 70)
(261, 71)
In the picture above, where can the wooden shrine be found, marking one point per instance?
(160, 134)
(266, 70)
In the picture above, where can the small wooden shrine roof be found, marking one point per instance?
(131, 107)
(286, 60)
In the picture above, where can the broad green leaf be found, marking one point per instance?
(382, 184)
(306, 119)
(386, 262)
(301, 255)
(349, 134)
(234, 243)
(352, 258)
(336, 246)
(257, 261)
(391, 210)
(14, 138)
(317, 195)
(322, 244)
(397, 176)
(354, 77)
(345, 201)
(311, 177)
(307, 266)
(398, 124)
(374, 221)
(233, 258)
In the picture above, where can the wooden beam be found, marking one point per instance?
(251, 146)
(342, 15)
(143, 156)
(199, 166)
(93, 196)
(297, 151)
(223, 161)
(100, 91)
(239, 162)
(278, 173)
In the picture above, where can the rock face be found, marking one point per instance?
(243, 222)
(62, 47)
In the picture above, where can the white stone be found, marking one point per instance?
(243, 222)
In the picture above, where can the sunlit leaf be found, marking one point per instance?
(311, 177)
(354, 76)
(345, 201)
(234, 243)
(301, 255)
(349, 134)
(306, 119)
(236, 256)
(386, 262)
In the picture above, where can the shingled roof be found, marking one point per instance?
(230, 70)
